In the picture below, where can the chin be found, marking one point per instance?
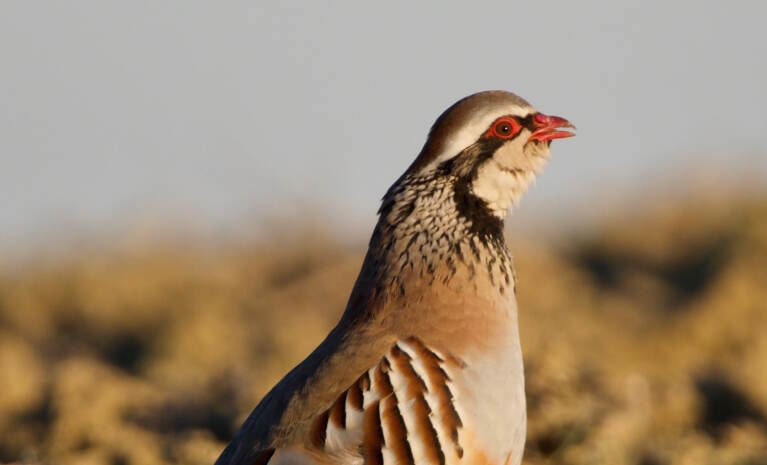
(539, 149)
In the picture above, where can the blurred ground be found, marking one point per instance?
(645, 341)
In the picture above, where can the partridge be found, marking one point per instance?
(425, 365)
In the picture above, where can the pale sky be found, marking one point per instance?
(227, 110)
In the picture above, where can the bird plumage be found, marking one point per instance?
(425, 365)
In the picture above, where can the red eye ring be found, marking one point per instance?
(505, 128)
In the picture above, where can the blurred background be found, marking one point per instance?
(187, 188)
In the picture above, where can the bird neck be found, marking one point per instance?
(432, 230)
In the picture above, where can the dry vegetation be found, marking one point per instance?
(645, 341)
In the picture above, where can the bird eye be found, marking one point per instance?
(505, 128)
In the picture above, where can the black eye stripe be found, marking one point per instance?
(527, 121)
(502, 128)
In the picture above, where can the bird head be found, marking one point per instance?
(493, 142)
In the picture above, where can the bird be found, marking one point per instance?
(425, 364)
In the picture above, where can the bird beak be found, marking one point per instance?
(548, 128)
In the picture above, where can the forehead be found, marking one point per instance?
(465, 121)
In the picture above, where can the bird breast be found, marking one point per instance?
(426, 405)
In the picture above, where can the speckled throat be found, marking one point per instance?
(432, 227)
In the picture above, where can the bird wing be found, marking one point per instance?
(400, 410)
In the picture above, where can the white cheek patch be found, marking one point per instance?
(502, 180)
(500, 187)
(473, 130)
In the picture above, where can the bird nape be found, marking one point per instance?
(425, 364)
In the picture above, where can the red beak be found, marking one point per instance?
(548, 128)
